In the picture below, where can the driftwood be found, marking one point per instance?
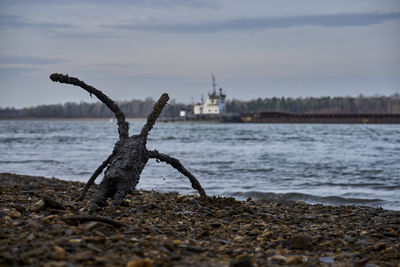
(52, 203)
(129, 156)
(77, 219)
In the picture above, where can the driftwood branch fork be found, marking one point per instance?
(129, 156)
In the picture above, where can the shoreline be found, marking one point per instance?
(169, 229)
(72, 119)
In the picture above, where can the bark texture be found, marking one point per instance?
(129, 156)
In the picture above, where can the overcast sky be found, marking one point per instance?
(140, 48)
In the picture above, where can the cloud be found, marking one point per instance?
(17, 22)
(264, 23)
(31, 60)
(142, 3)
(7, 72)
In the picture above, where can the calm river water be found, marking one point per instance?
(316, 163)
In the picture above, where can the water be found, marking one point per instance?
(316, 163)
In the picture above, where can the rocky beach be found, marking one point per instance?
(44, 224)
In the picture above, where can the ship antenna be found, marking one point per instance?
(213, 83)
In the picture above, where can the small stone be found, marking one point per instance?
(241, 263)
(327, 260)
(379, 246)
(310, 217)
(177, 242)
(140, 263)
(180, 198)
(30, 237)
(364, 243)
(215, 224)
(14, 214)
(58, 249)
(239, 238)
(90, 225)
(55, 264)
(362, 262)
(300, 241)
(82, 256)
(38, 205)
(349, 239)
(278, 259)
(59, 253)
(293, 260)
(49, 219)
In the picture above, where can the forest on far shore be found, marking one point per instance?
(141, 108)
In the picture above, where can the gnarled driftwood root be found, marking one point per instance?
(129, 156)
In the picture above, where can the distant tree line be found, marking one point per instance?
(141, 108)
(350, 105)
(132, 109)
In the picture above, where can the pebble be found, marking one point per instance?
(241, 263)
(91, 225)
(30, 237)
(349, 239)
(181, 198)
(58, 253)
(364, 243)
(38, 205)
(379, 246)
(327, 260)
(140, 263)
(300, 241)
(239, 238)
(50, 219)
(55, 264)
(278, 259)
(14, 214)
(82, 256)
(294, 260)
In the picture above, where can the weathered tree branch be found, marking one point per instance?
(151, 119)
(123, 125)
(177, 165)
(129, 156)
(52, 203)
(91, 180)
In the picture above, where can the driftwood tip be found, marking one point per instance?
(55, 77)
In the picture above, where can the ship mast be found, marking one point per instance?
(213, 84)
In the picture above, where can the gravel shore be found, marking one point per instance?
(43, 224)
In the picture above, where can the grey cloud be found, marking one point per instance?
(16, 21)
(12, 71)
(262, 23)
(145, 3)
(29, 60)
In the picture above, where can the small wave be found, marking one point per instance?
(342, 184)
(248, 139)
(255, 170)
(29, 161)
(7, 140)
(331, 200)
(216, 162)
(168, 138)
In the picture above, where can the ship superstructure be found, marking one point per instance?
(215, 104)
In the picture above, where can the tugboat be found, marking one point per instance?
(214, 105)
(211, 110)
